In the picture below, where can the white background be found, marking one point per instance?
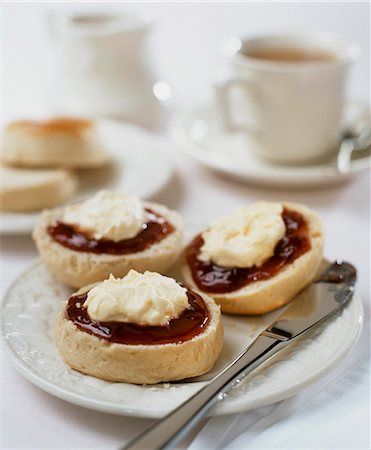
(186, 44)
(187, 39)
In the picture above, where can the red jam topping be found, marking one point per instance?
(188, 325)
(216, 279)
(153, 231)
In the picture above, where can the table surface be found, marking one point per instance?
(335, 412)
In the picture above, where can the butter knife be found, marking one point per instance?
(331, 291)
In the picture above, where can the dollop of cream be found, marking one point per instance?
(109, 215)
(143, 299)
(244, 238)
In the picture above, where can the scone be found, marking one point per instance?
(31, 190)
(256, 259)
(59, 142)
(109, 233)
(143, 329)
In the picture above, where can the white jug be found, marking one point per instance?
(102, 68)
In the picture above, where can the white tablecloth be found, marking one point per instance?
(332, 414)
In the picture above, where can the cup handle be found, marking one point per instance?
(222, 93)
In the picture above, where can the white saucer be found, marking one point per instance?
(141, 165)
(200, 135)
(28, 317)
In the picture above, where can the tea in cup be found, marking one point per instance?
(287, 94)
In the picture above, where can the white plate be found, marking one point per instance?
(28, 314)
(141, 165)
(199, 134)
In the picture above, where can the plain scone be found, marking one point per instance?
(140, 364)
(79, 269)
(59, 142)
(31, 190)
(264, 296)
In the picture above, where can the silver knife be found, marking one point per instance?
(331, 291)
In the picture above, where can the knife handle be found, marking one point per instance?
(167, 431)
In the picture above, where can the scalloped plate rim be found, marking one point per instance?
(237, 405)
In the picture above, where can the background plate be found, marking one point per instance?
(199, 134)
(141, 165)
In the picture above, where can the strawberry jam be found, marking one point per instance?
(188, 325)
(153, 231)
(214, 279)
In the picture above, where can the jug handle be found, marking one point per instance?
(51, 19)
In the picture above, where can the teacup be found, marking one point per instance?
(287, 93)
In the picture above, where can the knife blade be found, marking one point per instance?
(331, 291)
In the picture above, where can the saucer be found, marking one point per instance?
(199, 134)
(141, 165)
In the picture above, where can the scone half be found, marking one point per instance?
(32, 190)
(140, 364)
(263, 296)
(77, 268)
(58, 142)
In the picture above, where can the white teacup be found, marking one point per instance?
(287, 93)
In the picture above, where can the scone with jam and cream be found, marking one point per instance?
(257, 258)
(109, 233)
(142, 328)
